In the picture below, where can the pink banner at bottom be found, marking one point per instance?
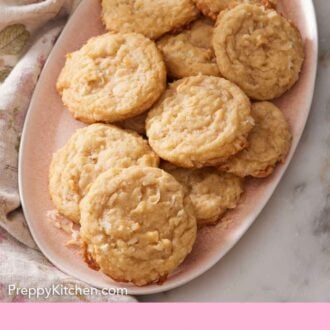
(165, 316)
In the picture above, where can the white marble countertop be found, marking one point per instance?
(285, 256)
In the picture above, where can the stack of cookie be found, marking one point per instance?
(179, 114)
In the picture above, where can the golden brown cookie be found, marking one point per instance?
(137, 124)
(152, 18)
(212, 8)
(113, 77)
(190, 52)
(259, 50)
(212, 192)
(89, 152)
(199, 121)
(269, 143)
(137, 224)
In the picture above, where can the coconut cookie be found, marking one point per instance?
(190, 52)
(89, 152)
(212, 192)
(212, 8)
(152, 18)
(113, 77)
(269, 143)
(259, 50)
(199, 121)
(138, 225)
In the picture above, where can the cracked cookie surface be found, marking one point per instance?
(138, 225)
(88, 153)
(152, 18)
(212, 8)
(190, 52)
(259, 50)
(199, 121)
(268, 143)
(112, 77)
(212, 192)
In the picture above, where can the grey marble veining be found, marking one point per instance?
(285, 256)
